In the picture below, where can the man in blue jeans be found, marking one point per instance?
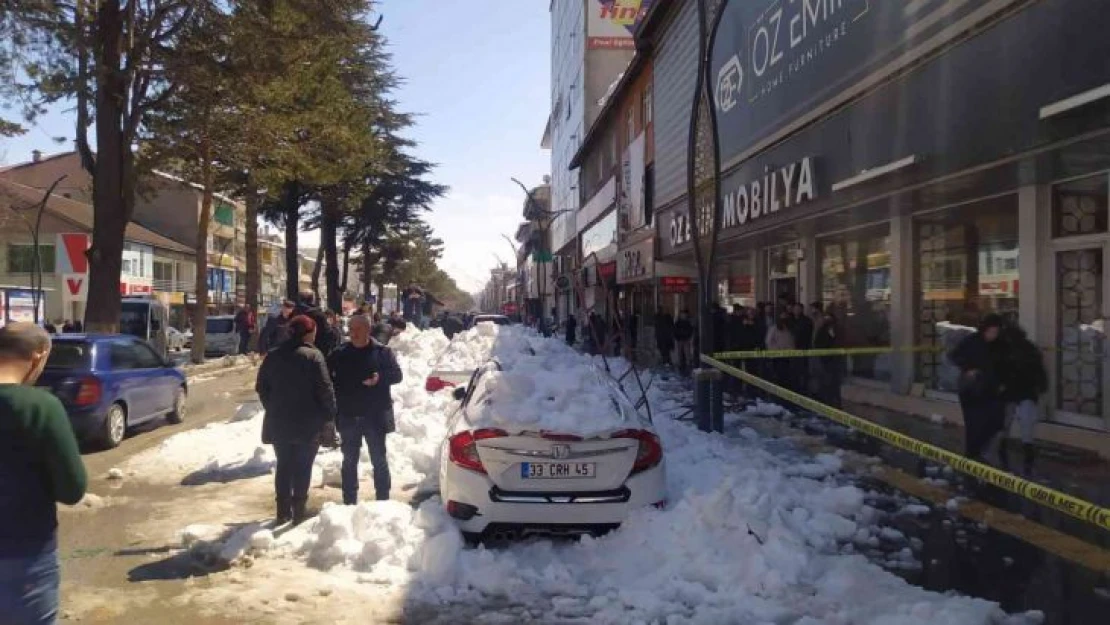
(363, 371)
(40, 466)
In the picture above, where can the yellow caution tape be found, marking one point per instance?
(1050, 498)
(835, 351)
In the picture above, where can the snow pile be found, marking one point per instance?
(552, 388)
(215, 452)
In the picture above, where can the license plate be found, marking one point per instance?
(557, 470)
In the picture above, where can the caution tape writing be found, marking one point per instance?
(1050, 498)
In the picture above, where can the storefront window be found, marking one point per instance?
(737, 283)
(1080, 206)
(854, 284)
(600, 235)
(967, 267)
(782, 272)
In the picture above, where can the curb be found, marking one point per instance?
(195, 372)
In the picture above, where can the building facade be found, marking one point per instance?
(913, 171)
(591, 44)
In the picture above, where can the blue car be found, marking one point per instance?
(111, 382)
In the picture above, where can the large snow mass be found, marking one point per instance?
(748, 536)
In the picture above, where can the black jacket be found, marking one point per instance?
(1022, 371)
(973, 353)
(828, 337)
(274, 333)
(803, 332)
(296, 391)
(451, 326)
(349, 367)
(683, 330)
(327, 337)
(749, 337)
(664, 329)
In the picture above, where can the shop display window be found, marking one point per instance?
(854, 284)
(967, 267)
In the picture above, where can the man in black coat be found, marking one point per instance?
(327, 337)
(276, 330)
(664, 336)
(978, 356)
(803, 339)
(362, 371)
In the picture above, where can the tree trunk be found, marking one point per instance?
(366, 270)
(381, 297)
(328, 233)
(316, 268)
(254, 269)
(200, 250)
(292, 259)
(346, 266)
(110, 204)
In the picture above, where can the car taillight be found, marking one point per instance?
(650, 452)
(435, 383)
(88, 393)
(464, 448)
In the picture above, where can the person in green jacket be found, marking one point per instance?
(40, 466)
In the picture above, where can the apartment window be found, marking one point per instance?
(646, 103)
(163, 272)
(1080, 207)
(631, 124)
(224, 215)
(21, 258)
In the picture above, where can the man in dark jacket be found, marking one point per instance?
(244, 327)
(684, 340)
(664, 336)
(978, 356)
(452, 325)
(296, 391)
(327, 337)
(1024, 379)
(363, 370)
(803, 339)
(276, 330)
(572, 330)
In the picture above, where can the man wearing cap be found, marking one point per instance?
(276, 330)
(362, 371)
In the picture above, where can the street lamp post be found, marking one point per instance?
(544, 217)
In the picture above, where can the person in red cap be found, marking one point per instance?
(296, 391)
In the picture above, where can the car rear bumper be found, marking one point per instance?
(496, 508)
(86, 422)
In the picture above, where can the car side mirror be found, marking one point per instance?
(459, 393)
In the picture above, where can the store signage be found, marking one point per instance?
(773, 60)
(610, 24)
(607, 271)
(675, 284)
(635, 262)
(783, 188)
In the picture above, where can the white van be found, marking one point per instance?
(220, 336)
(147, 319)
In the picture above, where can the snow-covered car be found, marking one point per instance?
(175, 339)
(502, 479)
(500, 320)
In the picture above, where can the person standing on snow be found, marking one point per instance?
(295, 389)
(664, 336)
(363, 371)
(978, 356)
(244, 327)
(40, 466)
(781, 338)
(830, 368)
(1024, 379)
(684, 341)
(572, 329)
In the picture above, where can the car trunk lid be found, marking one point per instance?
(544, 462)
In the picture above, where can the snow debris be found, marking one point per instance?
(936, 418)
(915, 509)
(91, 501)
(749, 535)
(115, 474)
(247, 411)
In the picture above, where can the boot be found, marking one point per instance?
(284, 511)
(300, 510)
(1030, 452)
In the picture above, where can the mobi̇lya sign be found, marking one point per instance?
(784, 188)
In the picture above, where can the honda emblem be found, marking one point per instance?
(560, 451)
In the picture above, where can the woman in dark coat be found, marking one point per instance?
(978, 356)
(296, 391)
(1024, 380)
(831, 368)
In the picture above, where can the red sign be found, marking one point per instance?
(676, 284)
(741, 284)
(74, 285)
(607, 271)
(508, 308)
(130, 288)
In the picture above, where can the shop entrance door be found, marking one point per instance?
(1077, 363)
(784, 289)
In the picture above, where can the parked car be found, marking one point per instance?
(501, 486)
(500, 320)
(220, 338)
(175, 339)
(109, 383)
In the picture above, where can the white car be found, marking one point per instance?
(500, 485)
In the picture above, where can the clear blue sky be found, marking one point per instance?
(476, 71)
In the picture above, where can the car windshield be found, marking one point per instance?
(133, 320)
(68, 355)
(219, 326)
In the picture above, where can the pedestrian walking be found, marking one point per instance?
(276, 330)
(40, 466)
(1024, 379)
(802, 329)
(664, 336)
(363, 371)
(980, 387)
(830, 369)
(295, 388)
(244, 327)
(572, 330)
(684, 341)
(781, 338)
